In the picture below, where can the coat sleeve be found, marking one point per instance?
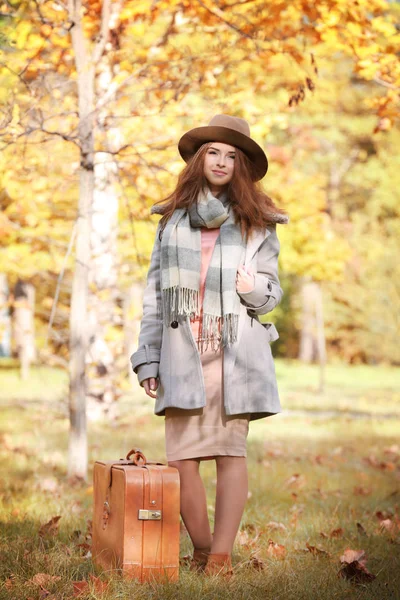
(267, 292)
(145, 361)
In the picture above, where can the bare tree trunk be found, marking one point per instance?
(24, 328)
(307, 334)
(103, 279)
(5, 318)
(85, 66)
(312, 336)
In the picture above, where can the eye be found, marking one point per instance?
(212, 152)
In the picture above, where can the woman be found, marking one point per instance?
(203, 353)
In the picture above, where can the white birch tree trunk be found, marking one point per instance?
(103, 277)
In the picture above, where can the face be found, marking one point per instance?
(219, 162)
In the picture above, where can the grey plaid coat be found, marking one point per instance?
(171, 354)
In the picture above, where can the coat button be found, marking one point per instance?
(174, 324)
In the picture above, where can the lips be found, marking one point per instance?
(219, 172)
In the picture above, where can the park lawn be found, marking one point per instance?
(312, 477)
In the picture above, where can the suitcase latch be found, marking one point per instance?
(149, 515)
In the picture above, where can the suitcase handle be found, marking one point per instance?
(136, 455)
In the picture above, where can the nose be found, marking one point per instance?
(221, 161)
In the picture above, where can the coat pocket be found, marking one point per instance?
(270, 330)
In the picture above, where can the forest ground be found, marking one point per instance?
(324, 477)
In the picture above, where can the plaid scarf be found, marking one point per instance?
(181, 264)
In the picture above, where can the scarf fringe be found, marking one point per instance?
(178, 301)
(218, 331)
(214, 330)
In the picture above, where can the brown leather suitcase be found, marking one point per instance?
(136, 518)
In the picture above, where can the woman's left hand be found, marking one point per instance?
(245, 280)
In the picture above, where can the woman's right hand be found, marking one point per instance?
(149, 385)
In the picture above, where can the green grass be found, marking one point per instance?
(310, 473)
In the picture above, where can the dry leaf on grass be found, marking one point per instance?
(276, 550)
(43, 579)
(295, 480)
(323, 534)
(336, 533)
(248, 536)
(256, 563)
(382, 465)
(274, 526)
(50, 528)
(9, 582)
(383, 514)
(316, 551)
(83, 587)
(353, 567)
(390, 526)
(359, 490)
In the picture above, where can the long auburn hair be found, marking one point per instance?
(251, 206)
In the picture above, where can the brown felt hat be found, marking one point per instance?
(228, 130)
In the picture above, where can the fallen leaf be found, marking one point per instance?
(43, 579)
(293, 480)
(336, 533)
(83, 587)
(274, 526)
(243, 538)
(50, 528)
(350, 556)
(256, 563)
(390, 526)
(356, 572)
(359, 490)
(383, 514)
(323, 534)
(80, 588)
(316, 551)
(276, 550)
(84, 547)
(9, 582)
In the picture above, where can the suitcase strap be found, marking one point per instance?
(138, 460)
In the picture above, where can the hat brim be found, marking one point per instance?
(191, 141)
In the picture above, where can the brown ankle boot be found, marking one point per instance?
(199, 560)
(219, 564)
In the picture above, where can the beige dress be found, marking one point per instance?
(206, 432)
